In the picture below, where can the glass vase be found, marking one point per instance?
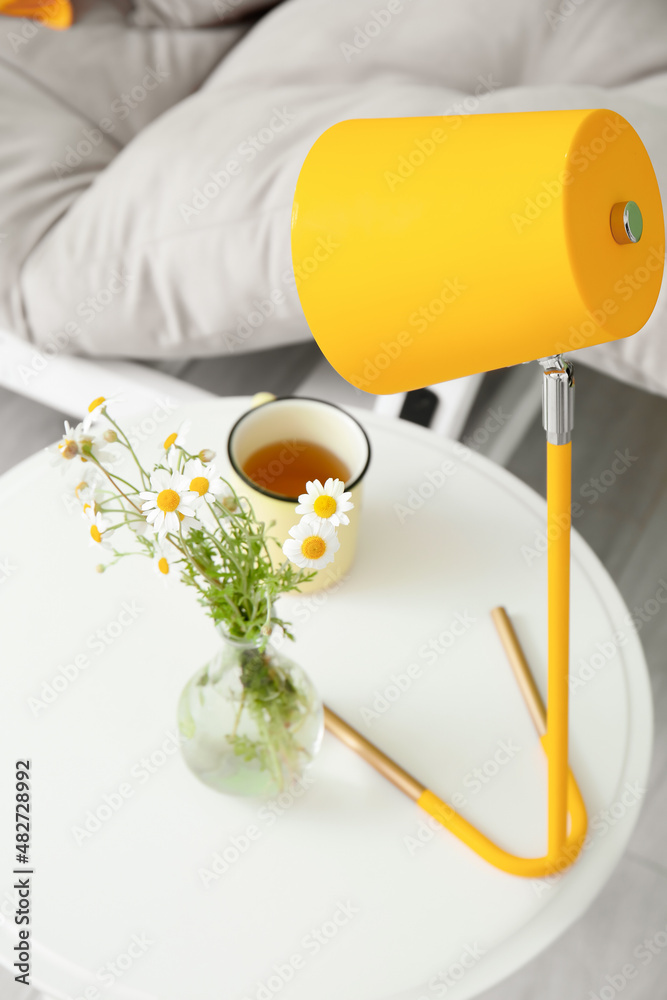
(251, 720)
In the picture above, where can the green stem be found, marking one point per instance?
(144, 475)
(114, 484)
(269, 744)
(120, 510)
(201, 570)
(238, 714)
(226, 553)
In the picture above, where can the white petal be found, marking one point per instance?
(327, 532)
(293, 552)
(312, 519)
(161, 480)
(187, 511)
(321, 562)
(171, 521)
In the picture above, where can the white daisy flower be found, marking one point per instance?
(86, 492)
(169, 498)
(312, 546)
(163, 562)
(325, 504)
(99, 526)
(68, 446)
(76, 440)
(177, 438)
(91, 492)
(95, 409)
(88, 510)
(203, 479)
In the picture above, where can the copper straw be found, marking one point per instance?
(521, 670)
(385, 765)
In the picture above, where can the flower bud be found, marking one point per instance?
(206, 455)
(100, 568)
(110, 436)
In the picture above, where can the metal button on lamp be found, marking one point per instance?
(545, 230)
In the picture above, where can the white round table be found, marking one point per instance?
(147, 884)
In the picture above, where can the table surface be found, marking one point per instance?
(345, 890)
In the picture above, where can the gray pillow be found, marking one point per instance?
(195, 211)
(70, 102)
(193, 13)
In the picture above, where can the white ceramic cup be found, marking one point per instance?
(289, 419)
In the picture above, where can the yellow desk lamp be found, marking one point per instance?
(426, 249)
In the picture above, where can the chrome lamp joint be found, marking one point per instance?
(557, 399)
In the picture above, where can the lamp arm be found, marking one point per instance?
(558, 422)
(564, 797)
(563, 793)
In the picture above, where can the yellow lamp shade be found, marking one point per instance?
(425, 249)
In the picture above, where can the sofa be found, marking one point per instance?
(150, 151)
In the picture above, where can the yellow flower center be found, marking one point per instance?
(86, 507)
(169, 441)
(95, 533)
(163, 565)
(324, 506)
(199, 485)
(181, 517)
(68, 448)
(313, 547)
(95, 403)
(82, 486)
(168, 500)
